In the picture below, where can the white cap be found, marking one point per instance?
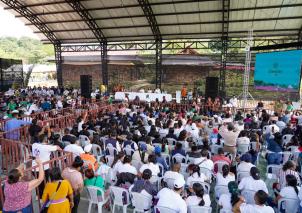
(215, 116)
(179, 183)
(194, 126)
(15, 111)
(88, 148)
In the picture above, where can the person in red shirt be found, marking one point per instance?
(221, 156)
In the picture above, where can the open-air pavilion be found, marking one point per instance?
(159, 25)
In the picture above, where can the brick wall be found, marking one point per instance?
(117, 73)
(188, 74)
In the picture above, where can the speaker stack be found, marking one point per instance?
(86, 85)
(212, 87)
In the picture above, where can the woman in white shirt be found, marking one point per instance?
(226, 176)
(200, 198)
(151, 165)
(245, 165)
(253, 182)
(291, 191)
(195, 175)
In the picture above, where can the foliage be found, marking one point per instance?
(31, 51)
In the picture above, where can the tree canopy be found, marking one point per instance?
(30, 50)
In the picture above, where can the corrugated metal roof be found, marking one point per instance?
(125, 20)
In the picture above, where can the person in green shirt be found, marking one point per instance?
(12, 105)
(92, 180)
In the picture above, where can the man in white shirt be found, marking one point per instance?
(171, 198)
(74, 148)
(258, 207)
(204, 161)
(174, 174)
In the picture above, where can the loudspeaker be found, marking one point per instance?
(212, 87)
(86, 85)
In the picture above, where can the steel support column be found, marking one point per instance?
(224, 46)
(158, 64)
(300, 38)
(148, 12)
(104, 63)
(58, 56)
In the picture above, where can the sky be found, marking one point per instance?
(11, 26)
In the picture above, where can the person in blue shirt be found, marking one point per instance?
(159, 158)
(178, 150)
(12, 124)
(274, 146)
(46, 105)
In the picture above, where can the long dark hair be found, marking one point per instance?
(117, 157)
(196, 169)
(199, 192)
(234, 191)
(225, 170)
(292, 181)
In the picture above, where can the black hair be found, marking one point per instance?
(13, 176)
(225, 170)
(261, 197)
(78, 162)
(220, 151)
(55, 174)
(289, 164)
(152, 159)
(117, 157)
(199, 192)
(255, 173)
(196, 169)
(147, 174)
(127, 159)
(178, 146)
(204, 153)
(292, 181)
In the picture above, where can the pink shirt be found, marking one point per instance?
(17, 196)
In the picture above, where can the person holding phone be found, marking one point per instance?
(18, 192)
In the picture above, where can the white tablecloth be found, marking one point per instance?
(142, 96)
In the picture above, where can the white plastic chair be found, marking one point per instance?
(84, 140)
(248, 196)
(225, 211)
(286, 139)
(167, 158)
(189, 159)
(141, 202)
(109, 159)
(214, 149)
(199, 209)
(97, 151)
(162, 209)
(111, 150)
(289, 205)
(207, 172)
(183, 170)
(91, 132)
(220, 190)
(95, 199)
(171, 141)
(118, 198)
(272, 172)
(178, 158)
(161, 169)
(286, 156)
(243, 148)
(219, 164)
(128, 150)
(241, 175)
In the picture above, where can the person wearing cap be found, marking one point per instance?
(253, 182)
(259, 206)
(12, 124)
(245, 164)
(159, 158)
(152, 165)
(171, 198)
(75, 178)
(88, 158)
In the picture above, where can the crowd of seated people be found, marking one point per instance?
(176, 159)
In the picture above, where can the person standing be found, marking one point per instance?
(75, 178)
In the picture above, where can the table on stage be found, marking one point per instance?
(142, 96)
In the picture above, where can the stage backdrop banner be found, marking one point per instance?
(278, 71)
(142, 96)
